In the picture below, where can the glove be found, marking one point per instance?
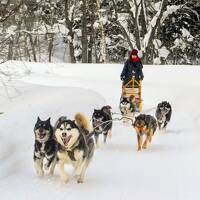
(122, 78)
(140, 77)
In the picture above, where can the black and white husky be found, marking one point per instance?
(127, 108)
(76, 146)
(163, 114)
(102, 123)
(45, 147)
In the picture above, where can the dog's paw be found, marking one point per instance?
(66, 179)
(51, 172)
(110, 134)
(40, 173)
(144, 146)
(80, 180)
(98, 145)
(46, 167)
(139, 149)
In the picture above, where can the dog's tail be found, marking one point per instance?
(82, 121)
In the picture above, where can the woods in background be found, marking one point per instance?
(97, 31)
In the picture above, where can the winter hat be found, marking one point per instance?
(134, 52)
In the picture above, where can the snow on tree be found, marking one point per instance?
(164, 31)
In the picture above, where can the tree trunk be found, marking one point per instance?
(26, 48)
(50, 48)
(103, 40)
(71, 34)
(143, 19)
(137, 29)
(10, 48)
(32, 47)
(91, 31)
(84, 32)
(90, 46)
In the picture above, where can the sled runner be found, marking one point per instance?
(134, 88)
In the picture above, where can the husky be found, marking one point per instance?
(45, 147)
(127, 108)
(76, 145)
(102, 123)
(144, 125)
(163, 114)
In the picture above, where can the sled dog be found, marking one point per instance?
(102, 123)
(45, 147)
(75, 145)
(127, 108)
(145, 125)
(163, 114)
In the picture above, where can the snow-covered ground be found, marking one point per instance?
(168, 170)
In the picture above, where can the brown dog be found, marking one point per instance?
(144, 125)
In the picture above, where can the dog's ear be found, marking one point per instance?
(168, 104)
(38, 119)
(134, 123)
(48, 120)
(62, 118)
(143, 116)
(107, 107)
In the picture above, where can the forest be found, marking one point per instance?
(100, 31)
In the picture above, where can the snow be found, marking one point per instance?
(186, 34)
(163, 52)
(169, 169)
(11, 30)
(157, 6)
(157, 61)
(169, 11)
(96, 25)
(4, 2)
(71, 12)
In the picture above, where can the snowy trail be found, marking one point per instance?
(169, 169)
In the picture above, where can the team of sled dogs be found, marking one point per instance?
(70, 141)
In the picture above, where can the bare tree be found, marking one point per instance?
(152, 32)
(92, 19)
(124, 31)
(84, 32)
(69, 15)
(103, 57)
(143, 31)
(6, 15)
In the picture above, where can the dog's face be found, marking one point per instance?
(164, 107)
(42, 130)
(67, 133)
(97, 117)
(140, 124)
(125, 103)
